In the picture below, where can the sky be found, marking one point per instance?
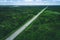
(29, 2)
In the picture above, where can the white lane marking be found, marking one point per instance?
(15, 34)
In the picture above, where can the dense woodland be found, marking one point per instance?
(12, 18)
(45, 27)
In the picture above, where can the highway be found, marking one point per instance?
(22, 28)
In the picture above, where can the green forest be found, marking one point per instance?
(12, 18)
(45, 27)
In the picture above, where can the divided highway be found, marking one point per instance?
(22, 28)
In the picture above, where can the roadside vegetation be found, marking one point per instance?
(45, 27)
(12, 18)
